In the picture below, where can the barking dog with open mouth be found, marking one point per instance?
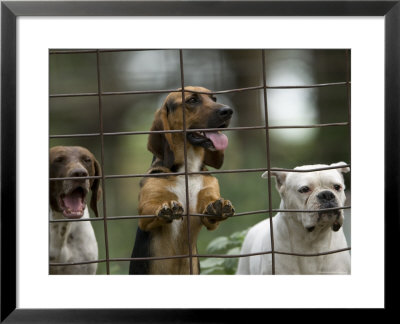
(73, 241)
(165, 197)
(302, 232)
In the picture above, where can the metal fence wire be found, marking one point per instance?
(270, 211)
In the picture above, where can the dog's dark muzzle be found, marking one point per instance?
(225, 113)
(220, 118)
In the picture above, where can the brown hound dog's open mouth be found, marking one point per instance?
(212, 141)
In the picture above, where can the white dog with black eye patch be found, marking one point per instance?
(302, 232)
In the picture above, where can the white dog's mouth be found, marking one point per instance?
(336, 216)
(325, 218)
(310, 229)
(323, 202)
(327, 214)
(336, 225)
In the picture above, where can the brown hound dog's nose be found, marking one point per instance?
(225, 112)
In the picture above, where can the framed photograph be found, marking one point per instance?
(289, 84)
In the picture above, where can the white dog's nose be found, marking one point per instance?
(326, 195)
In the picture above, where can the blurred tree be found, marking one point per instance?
(332, 102)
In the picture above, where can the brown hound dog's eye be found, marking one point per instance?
(59, 159)
(304, 189)
(87, 159)
(193, 100)
(337, 187)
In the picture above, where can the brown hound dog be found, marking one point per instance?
(73, 241)
(167, 233)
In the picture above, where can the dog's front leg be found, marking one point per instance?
(155, 199)
(211, 203)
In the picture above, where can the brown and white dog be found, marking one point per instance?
(166, 234)
(73, 241)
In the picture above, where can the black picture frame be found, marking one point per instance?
(10, 10)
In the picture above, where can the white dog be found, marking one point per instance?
(302, 232)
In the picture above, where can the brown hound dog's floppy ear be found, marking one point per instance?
(96, 190)
(160, 144)
(214, 159)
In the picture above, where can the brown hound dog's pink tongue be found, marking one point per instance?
(219, 140)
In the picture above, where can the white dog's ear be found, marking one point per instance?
(279, 175)
(345, 169)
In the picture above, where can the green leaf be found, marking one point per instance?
(230, 264)
(211, 271)
(239, 236)
(223, 245)
(235, 250)
(218, 245)
(211, 263)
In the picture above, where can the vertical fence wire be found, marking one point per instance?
(268, 160)
(99, 89)
(185, 161)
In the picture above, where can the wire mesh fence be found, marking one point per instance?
(266, 127)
